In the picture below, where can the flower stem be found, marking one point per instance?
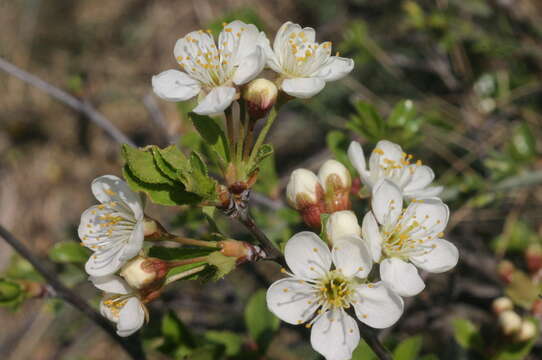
(175, 263)
(195, 242)
(229, 130)
(263, 134)
(184, 274)
(369, 335)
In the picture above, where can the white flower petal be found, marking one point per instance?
(385, 152)
(431, 216)
(371, 234)
(351, 256)
(104, 263)
(401, 277)
(250, 66)
(135, 244)
(131, 317)
(307, 255)
(292, 300)
(111, 284)
(342, 223)
(281, 38)
(335, 335)
(441, 258)
(303, 88)
(216, 101)
(357, 158)
(387, 202)
(430, 191)
(110, 189)
(106, 311)
(378, 306)
(422, 176)
(174, 85)
(335, 68)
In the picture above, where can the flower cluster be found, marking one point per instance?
(401, 238)
(114, 231)
(214, 72)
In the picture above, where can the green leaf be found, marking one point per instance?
(367, 122)
(175, 332)
(338, 142)
(142, 166)
(402, 114)
(213, 135)
(169, 160)
(208, 352)
(223, 264)
(197, 179)
(263, 152)
(9, 291)
(467, 334)
(230, 340)
(162, 194)
(260, 322)
(522, 290)
(409, 348)
(363, 352)
(522, 145)
(178, 253)
(69, 252)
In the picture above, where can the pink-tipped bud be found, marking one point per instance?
(510, 322)
(526, 332)
(260, 95)
(305, 194)
(533, 258)
(506, 270)
(142, 272)
(342, 223)
(337, 182)
(502, 304)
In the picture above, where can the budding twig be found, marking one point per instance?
(131, 344)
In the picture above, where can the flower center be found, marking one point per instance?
(115, 304)
(409, 238)
(204, 61)
(392, 167)
(335, 290)
(302, 57)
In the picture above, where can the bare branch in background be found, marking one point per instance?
(62, 96)
(131, 345)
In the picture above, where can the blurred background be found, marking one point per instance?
(465, 76)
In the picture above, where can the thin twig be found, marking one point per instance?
(369, 335)
(267, 245)
(131, 345)
(62, 96)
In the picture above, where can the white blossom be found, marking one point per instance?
(403, 239)
(388, 161)
(323, 284)
(213, 71)
(114, 230)
(121, 304)
(304, 65)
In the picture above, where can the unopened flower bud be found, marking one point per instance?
(510, 322)
(336, 181)
(260, 95)
(304, 193)
(502, 304)
(241, 250)
(142, 272)
(342, 223)
(533, 258)
(506, 270)
(526, 332)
